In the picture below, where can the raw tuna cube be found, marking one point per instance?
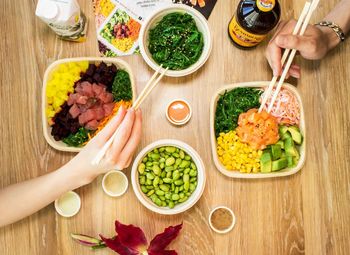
(99, 113)
(79, 87)
(74, 111)
(87, 89)
(82, 99)
(97, 89)
(92, 125)
(87, 116)
(108, 109)
(106, 97)
(103, 86)
(72, 99)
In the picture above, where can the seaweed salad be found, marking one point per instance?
(175, 42)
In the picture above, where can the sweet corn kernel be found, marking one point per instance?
(236, 155)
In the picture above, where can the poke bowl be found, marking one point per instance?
(247, 143)
(176, 37)
(168, 177)
(80, 96)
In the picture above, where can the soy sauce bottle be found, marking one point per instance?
(253, 20)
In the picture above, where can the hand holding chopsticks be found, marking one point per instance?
(300, 25)
(152, 83)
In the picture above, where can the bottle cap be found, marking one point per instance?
(265, 5)
(46, 9)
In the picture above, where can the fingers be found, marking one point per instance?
(274, 52)
(126, 154)
(300, 43)
(274, 55)
(112, 126)
(121, 137)
(294, 71)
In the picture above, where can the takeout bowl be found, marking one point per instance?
(202, 26)
(237, 174)
(195, 196)
(59, 145)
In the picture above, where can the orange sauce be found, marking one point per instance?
(178, 111)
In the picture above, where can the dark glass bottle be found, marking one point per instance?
(253, 20)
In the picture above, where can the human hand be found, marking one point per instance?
(313, 45)
(120, 153)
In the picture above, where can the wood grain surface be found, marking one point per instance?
(305, 213)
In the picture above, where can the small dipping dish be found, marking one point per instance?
(115, 183)
(178, 112)
(222, 219)
(68, 204)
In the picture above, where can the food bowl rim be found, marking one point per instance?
(236, 174)
(59, 145)
(207, 43)
(195, 196)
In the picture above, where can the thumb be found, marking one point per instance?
(300, 43)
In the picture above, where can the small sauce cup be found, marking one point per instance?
(68, 204)
(115, 183)
(178, 112)
(222, 219)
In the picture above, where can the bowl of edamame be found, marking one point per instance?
(168, 177)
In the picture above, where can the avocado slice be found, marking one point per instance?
(295, 161)
(296, 135)
(276, 151)
(281, 143)
(279, 164)
(289, 147)
(285, 136)
(290, 161)
(282, 130)
(265, 162)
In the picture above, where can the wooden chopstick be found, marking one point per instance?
(147, 85)
(292, 54)
(268, 92)
(145, 92)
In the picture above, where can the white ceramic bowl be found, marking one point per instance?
(237, 174)
(59, 145)
(195, 196)
(202, 25)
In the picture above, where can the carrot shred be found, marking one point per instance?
(104, 122)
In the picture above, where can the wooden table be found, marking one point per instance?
(305, 213)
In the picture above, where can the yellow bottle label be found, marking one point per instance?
(241, 36)
(265, 5)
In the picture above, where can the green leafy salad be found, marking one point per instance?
(231, 104)
(121, 87)
(175, 42)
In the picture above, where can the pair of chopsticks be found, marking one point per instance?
(300, 28)
(151, 84)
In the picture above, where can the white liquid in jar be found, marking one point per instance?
(115, 183)
(68, 203)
